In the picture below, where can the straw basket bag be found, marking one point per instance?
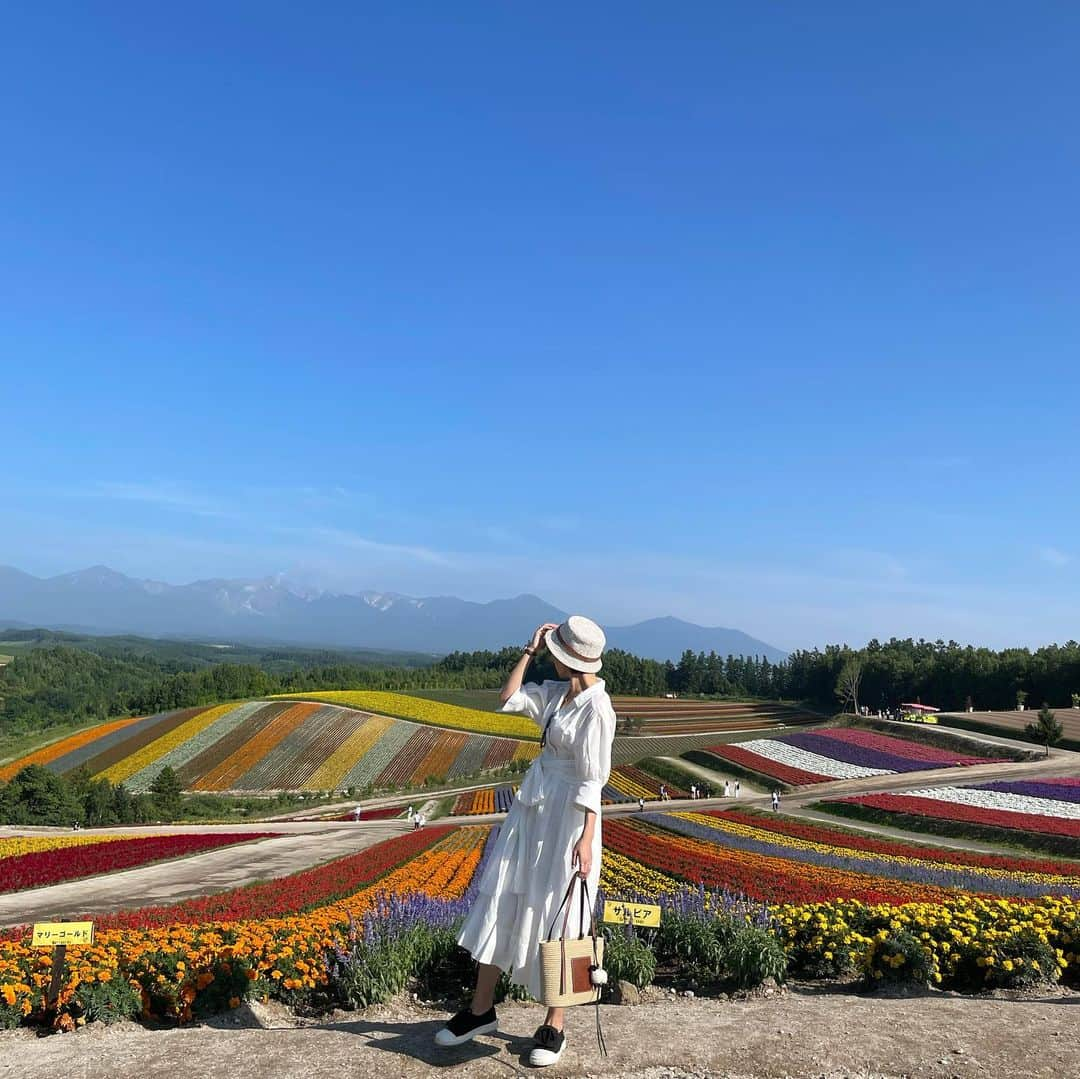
(572, 971)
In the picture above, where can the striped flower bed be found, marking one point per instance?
(488, 800)
(286, 765)
(332, 772)
(148, 757)
(399, 771)
(88, 740)
(278, 745)
(371, 764)
(176, 758)
(247, 756)
(32, 844)
(207, 762)
(383, 813)
(42, 868)
(471, 758)
(1047, 806)
(120, 745)
(500, 753)
(439, 757)
(474, 802)
(421, 710)
(636, 783)
(810, 863)
(821, 756)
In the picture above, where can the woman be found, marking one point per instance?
(551, 832)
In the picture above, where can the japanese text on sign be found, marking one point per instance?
(634, 913)
(50, 934)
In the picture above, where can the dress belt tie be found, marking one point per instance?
(522, 851)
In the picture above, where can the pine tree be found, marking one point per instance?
(166, 790)
(1047, 731)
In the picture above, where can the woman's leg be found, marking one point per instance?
(554, 1018)
(487, 978)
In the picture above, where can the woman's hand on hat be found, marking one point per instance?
(541, 632)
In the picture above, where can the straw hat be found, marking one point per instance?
(577, 643)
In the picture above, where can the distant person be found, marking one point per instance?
(421, 820)
(356, 813)
(412, 812)
(551, 835)
(775, 800)
(663, 793)
(641, 805)
(736, 788)
(693, 792)
(727, 789)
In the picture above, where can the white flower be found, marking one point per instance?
(803, 759)
(998, 800)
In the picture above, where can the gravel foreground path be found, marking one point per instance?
(798, 1033)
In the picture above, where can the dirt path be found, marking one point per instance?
(202, 874)
(798, 1033)
(712, 777)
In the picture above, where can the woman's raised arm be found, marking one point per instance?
(517, 675)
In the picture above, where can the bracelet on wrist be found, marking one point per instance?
(528, 652)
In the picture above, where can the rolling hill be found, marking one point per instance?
(306, 744)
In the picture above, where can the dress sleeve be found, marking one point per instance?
(594, 756)
(530, 699)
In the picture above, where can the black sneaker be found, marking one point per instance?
(549, 1046)
(465, 1026)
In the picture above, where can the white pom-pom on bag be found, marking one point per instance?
(598, 976)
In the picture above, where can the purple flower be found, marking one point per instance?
(967, 880)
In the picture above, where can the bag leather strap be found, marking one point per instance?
(584, 902)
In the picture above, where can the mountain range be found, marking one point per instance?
(102, 600)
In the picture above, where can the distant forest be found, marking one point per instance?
(62, 679)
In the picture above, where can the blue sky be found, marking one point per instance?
(763, 315)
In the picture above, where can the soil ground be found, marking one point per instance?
(801, 1032)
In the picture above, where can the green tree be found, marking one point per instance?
(166, 790)
(37, 796)
(1047, 730)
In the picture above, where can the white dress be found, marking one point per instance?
(530, 867)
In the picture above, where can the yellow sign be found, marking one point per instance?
(50, 934)
(635, 913)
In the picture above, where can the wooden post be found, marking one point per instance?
(59, 952)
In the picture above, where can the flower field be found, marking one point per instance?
(27, 865)
(420, 710)
(50, 753)
(836, 753)
(31, 844)
(256, 942)
(836, 902)
(628, 783)
(281, 745)
(1046, 806)
(488, 800)
(777, 860)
